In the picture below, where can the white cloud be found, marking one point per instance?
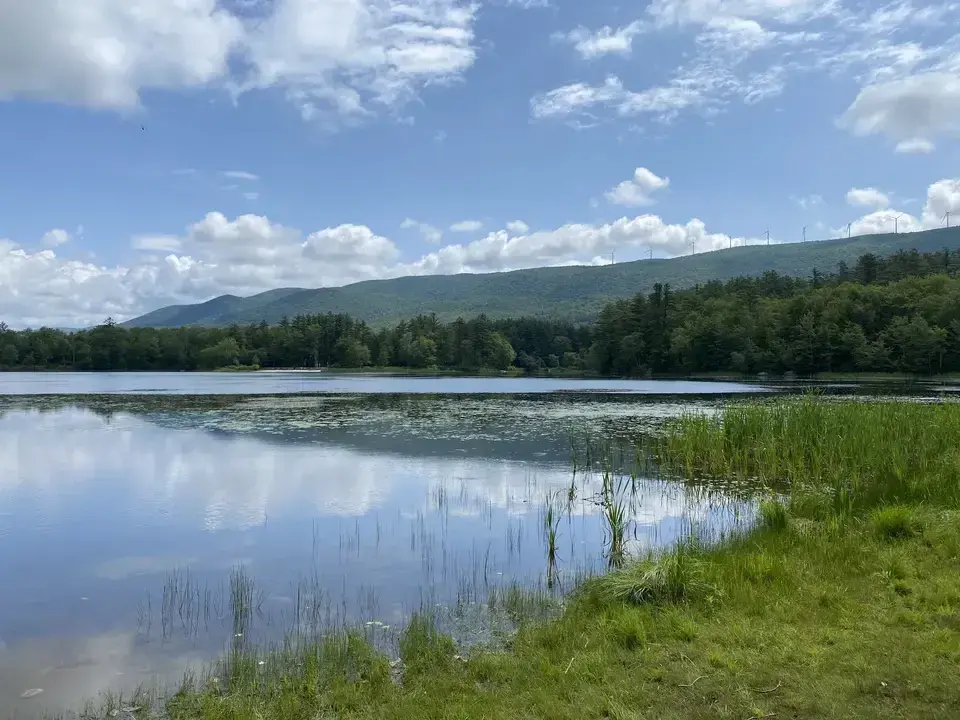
(467, 226)
(748, 50)
(353, 56)
(885, 221)
(569, 243)
(251, 195)
(867, 197)
(55, 238)
(605, 41)
(155, 243)
(942, 197)
(518, 227)
(912, 110)
(428, 232)
(346, 58)
(915, 146)
(808, 202)
(701, 85)
(636, 192)
(682, 12)
(251, 253)
(239, 175)
(102, 53)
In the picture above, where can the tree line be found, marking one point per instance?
(895, 313)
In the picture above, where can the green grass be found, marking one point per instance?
(829, 456)
(842, 602)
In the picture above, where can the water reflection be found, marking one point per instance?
(121, 523)
(214, 383)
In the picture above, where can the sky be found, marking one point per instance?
(168, 151)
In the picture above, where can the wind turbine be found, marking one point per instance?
(946, 216)
(651, 253)
(848, 228)
(896, 225)
(804, 233)
(767, 233)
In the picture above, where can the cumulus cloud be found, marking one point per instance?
(867, 197)
(592, 44)
(252, 253)
(466, 226)
(885, 221)
(637, 191)
(567, 244)
(55, 237)
(518, 227)
(912, 111)
(943, 197)
(102, 53)
(351, 56)
(347, 58)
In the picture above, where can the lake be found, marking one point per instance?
(128, 503)
(268, 383)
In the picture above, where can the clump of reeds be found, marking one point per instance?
(551, 524)
(774, 515)
(849, 456)
(672, 577)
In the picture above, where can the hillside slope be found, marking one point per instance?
(575, 293)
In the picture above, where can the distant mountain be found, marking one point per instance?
(575, 293)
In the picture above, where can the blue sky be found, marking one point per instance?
(156, 152)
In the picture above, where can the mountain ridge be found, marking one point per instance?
(566, 292)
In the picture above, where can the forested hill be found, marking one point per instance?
(568, 293)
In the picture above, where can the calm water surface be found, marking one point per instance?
(122, 516)
(315, 382)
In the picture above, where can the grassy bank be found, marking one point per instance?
(842, 602)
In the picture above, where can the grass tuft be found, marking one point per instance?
(423, 649)
(774, 515)
(896, 522)
(674, 577)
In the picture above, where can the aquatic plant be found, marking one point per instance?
(826, 456)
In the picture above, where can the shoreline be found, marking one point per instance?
(824, 377)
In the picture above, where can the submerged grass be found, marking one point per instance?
(842, 602)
